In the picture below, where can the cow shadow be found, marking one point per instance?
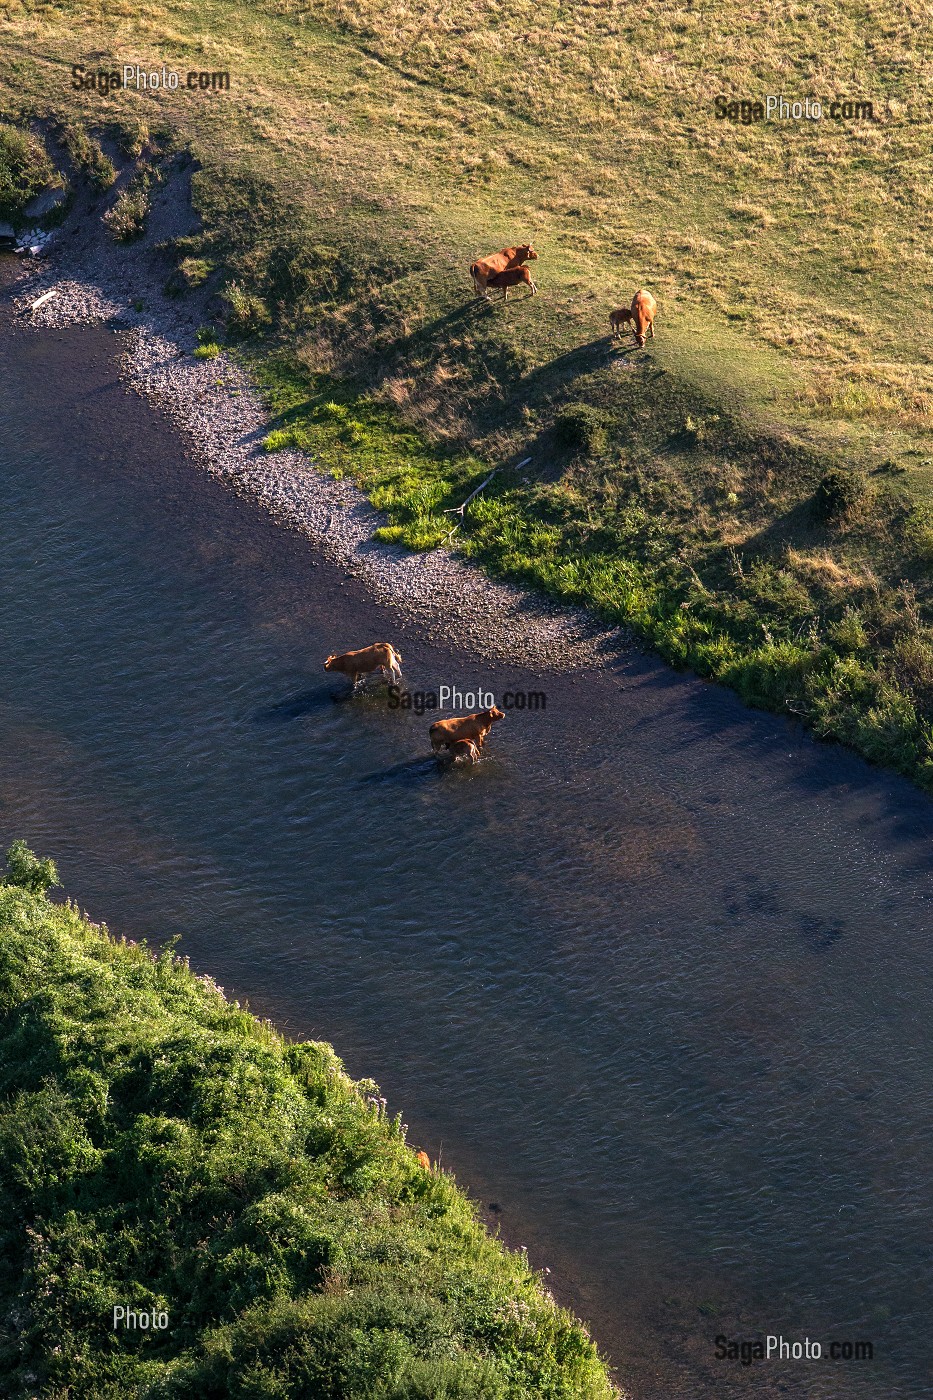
(306, 702)
(412, 773)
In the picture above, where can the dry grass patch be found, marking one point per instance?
(831, 574)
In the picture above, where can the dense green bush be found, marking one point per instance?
(162, 1149)
(25, 170)
(580, 427)
(837, 494)
(28, 871)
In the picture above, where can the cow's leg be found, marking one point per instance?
(651, 329)
(534, 288)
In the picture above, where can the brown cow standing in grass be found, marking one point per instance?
(620, 318)
(484, 268)
(512, 277)
(447, 732)
(644, 307)
(381, 656)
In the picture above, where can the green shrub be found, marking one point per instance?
(25, 171)
(838, 494)
(248, 313)
(126, 220)
(195, 271)
(88, 156)
(132, 136)
(26, 870)
(700, 431)
(848, 635)
(581, 428)
(208, 351)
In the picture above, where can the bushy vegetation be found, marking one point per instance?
(127, 218)
(838, 493)
(162, 1149)
(580, 428)
(85, 150)
(25, 171)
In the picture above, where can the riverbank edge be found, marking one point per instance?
(222, 421)
(152, 1009)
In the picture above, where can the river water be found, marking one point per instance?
(653, 980)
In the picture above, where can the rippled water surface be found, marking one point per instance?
(654, 979)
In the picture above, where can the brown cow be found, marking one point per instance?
(445, 732)
(511, 278)
(644, 307)
(620, 318)
(381, 656)
(424, 1161)
(484, 268)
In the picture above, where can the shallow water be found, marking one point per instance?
(653, 980)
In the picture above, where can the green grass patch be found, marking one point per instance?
(25, 171)
(164, 1149)
(85, 150)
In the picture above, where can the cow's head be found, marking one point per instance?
(530, 254)
(330, 661)
(495, 713)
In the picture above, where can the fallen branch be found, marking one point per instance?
(458, 510)
(46, 296)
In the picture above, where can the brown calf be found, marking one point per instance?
(620, 318)
(464, 751)
(511, 278)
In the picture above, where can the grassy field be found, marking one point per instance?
(366, 153)
(162, 1150)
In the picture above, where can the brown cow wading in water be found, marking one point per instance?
(445, 733)
(381, 656)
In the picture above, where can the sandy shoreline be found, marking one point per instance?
(222, 421)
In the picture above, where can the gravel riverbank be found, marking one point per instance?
(223, 422)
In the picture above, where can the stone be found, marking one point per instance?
(43, 204)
